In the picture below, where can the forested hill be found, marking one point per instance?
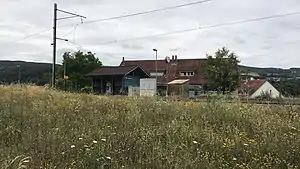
(38, 73)
(275, 72)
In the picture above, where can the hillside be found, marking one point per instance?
(274, 72)
(38, 73)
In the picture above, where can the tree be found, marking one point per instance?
(78, 64)
(221, 71)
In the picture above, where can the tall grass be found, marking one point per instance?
(60, 130)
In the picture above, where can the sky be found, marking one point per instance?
(265, 43)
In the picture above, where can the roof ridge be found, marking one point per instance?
(164, 59)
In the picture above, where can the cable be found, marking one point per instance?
(202, 28)
(117, 17)
(71, 31)
(28, 36)
(145, 12)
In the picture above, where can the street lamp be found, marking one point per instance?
(155, 50)
(19, 74)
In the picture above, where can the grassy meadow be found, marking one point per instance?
(42, 128)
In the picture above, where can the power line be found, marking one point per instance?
(28, 36)
(71, 31)
(145, 12)
(116, 17)
(202, 28)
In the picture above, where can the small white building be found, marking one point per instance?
(255, 88)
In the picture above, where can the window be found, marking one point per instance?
(187, 74)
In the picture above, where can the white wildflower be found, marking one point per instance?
(234, 159)
(95, 142)
(85, 146)
(103, 139)
(246, 144)
(109, 158)
(72, 146)
(195, 142)
(26, 161)
(80, 138)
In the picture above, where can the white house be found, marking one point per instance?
(255, 88)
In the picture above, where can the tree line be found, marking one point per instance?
(221, 71)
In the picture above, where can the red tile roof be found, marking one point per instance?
(254, 84)
(172, 69)
(113, 70)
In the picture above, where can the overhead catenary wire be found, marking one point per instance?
(27, 36)
(201, 28)
(145, 12)
(116, 17)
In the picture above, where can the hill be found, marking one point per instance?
(272, 72)
(31, 72)
(40, 73)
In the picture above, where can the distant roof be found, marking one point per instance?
(172, 69)
(114, 70)
(178, 81)
(255, 84)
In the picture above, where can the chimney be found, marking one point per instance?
(123, 60)
(173, 58)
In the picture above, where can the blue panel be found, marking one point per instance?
(132, 81)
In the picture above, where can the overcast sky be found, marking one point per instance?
(268, 43)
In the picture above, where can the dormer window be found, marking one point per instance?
(187, 73)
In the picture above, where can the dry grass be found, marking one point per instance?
(59, 130)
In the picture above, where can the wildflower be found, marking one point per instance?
(26, 161)
(72, 146)
(62, 153)
(234, 159)
(95, 142)
(104, 140)
(195, 142)
(80, 138)
(109, 158)
(245, 144)
(85, 146)
(87, 149)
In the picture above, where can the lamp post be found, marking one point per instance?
(19, 74)
(155, 50)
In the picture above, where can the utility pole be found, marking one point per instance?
(54, 45)
(155, 50)
(55, 19)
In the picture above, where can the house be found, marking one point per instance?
(175, 69)
(256, 88)
(114, 80)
